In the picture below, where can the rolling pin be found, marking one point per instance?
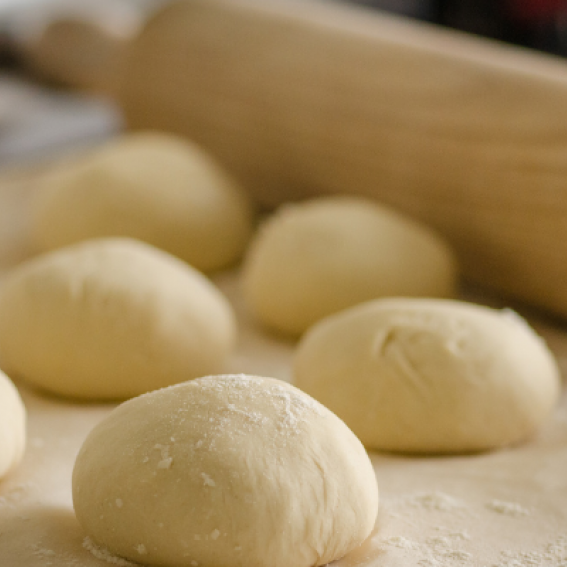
(303, 98)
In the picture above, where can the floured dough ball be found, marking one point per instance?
(430, 376)
(317, 257)
(12, 426)
(111, 318)
(155, 187)
(231, 470)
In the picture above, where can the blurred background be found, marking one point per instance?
(34, 57)
(538, 24)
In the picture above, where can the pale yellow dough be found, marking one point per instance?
(430, 376)
(314, 258)
(232, 471)
(12, 426)
(156, 187)
(111, 318)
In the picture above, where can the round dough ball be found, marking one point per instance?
(315, 258)
(111, 318)
(154, 187)
(232, 470)
(12, 426)
(429, 376)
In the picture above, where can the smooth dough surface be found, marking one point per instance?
(315, 258)
(12, 426)
(430, 376)
(231, 470)
(111, 318)
(155, 187)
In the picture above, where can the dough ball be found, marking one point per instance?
(429, 376)
(154, 187)
(12, 426)
(111, 318)
(315, 258)
(230, 470)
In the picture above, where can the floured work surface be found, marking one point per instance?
(507, 508)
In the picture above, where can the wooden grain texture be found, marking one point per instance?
(306, 98)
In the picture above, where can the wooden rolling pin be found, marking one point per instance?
(301, 98)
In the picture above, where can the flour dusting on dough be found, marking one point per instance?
(290, 408)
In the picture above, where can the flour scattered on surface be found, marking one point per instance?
(507, 508)
(401, 542)
(119, 503)
(105, 555)
(442, 550)
(17, 494)
(446, 546)
(450, 545)
(554, 554)
(438, 551)
(445, 549)
(448, 549)
(50, 558)
(434, 501)
(42, 551)
(141, 549)
(215, 534)
(47, 555)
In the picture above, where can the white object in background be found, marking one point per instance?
(37, 123)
